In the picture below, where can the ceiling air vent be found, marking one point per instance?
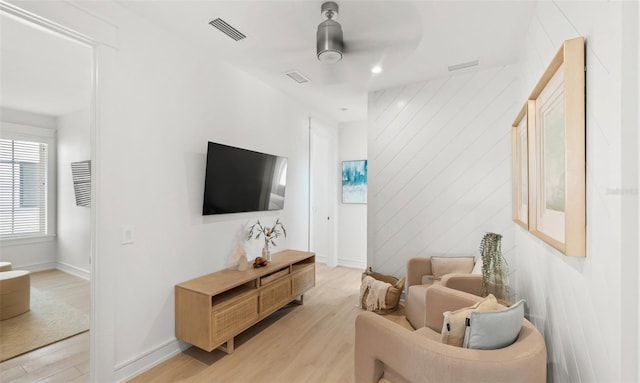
(468, 64)
(297, 77)
(227, 29)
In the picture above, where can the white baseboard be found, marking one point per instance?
(343, 262)
(73, 270)
(67, 268)
(321, 259)
(138, 364)
(362, 265)
(36, 266)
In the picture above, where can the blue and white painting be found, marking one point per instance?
(354, 181)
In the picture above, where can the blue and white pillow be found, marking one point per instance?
(490, 330)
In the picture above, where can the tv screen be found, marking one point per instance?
(239, 180)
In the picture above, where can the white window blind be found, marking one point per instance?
(23, 188)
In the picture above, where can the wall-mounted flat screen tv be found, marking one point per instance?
(239, 180)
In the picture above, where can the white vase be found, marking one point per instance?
(266, 254)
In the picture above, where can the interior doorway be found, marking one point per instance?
(322, 190)
(48, 88)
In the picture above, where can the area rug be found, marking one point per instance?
(50, 320)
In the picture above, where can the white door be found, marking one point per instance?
(322, 195)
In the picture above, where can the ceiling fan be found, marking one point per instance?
(367, 34)
(375, 41)
(329, 43)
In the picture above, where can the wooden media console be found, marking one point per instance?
(211, 310)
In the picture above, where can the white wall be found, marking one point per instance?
(160, 101)
(28, 118)
(630, 199)
(352, 218)
(40, 253)
(440, 167)
(576, 302)
(74, 236)
(171, 100)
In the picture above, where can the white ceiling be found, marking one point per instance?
(411, 40)
(41, 71)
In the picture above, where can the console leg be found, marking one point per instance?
(227, 347)
(299, 301)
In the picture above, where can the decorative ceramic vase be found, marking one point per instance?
(266, 254)
(244, 262)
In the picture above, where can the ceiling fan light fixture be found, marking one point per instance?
(329, 57)
(329, 44)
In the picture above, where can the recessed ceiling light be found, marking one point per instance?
(402, 104)
(376, 69)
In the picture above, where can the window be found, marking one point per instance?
(23, 188)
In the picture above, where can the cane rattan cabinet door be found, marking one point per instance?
(275, 296)
(229, 321)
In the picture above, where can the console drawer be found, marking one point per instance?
(267, 279)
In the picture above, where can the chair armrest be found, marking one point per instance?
(382, 345)
(416, 268)
(470, 283)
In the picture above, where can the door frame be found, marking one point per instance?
(43, 17)
(318, 129)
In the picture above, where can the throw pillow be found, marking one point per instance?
(441, 266)
(454, 323)
(477, 268)
(495, 329)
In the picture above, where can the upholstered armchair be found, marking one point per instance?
(386, 352)
(452, 272)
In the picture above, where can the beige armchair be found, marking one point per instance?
(386, 352)
(420, 276)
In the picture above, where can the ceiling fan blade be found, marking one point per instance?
(367, 46)
(333, 74)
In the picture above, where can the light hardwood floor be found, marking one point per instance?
(64, 361)
(308, 343)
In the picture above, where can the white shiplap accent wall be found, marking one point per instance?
(576, 302)
(440, 167)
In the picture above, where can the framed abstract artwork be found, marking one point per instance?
(557, 152)
(354, 181)
(520, 166)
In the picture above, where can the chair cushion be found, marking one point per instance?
(454, 325)
(494, 329)
(449, 265)
(415, 305)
